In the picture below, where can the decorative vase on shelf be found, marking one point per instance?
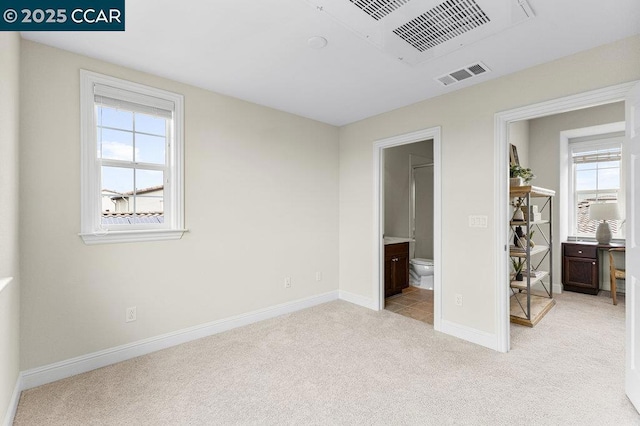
(519, 277)
(516, 181)
(517, 238)
(518, 215)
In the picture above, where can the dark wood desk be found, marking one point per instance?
(581, 265)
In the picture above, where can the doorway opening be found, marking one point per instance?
(503, 123)
(417, 225)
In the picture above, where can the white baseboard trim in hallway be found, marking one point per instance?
(63, 369)
(356, 299)
(13, 404)
(469, 334)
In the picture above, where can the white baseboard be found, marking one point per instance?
(356, 299)
(469, 334)
(60, 370)
(13, 404)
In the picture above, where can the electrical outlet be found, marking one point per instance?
(130, 314)
(458, 300)
(318, 276)
(287, 282)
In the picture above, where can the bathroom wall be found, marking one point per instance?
(423, 181)
(397, 169)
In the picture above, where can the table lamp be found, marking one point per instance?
(604, 212)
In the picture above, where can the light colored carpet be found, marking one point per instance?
(341, 364)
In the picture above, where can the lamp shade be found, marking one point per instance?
(604, 211)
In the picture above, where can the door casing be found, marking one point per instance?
(588, 99)
(378, 246)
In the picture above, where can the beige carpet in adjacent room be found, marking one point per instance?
(338, 363)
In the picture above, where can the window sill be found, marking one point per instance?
(134, 236)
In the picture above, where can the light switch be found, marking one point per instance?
(478, 221)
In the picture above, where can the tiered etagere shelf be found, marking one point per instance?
(529, 306)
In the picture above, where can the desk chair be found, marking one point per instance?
(615, 274)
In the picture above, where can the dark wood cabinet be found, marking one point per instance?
(580, 271)
(396, 268)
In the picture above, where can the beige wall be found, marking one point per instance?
(468, 169)
(519, 136)
(10, 296)
(278, 188)
(261, 204)
(544, 157)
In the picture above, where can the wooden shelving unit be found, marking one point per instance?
(522, 285)
(527, 307)
(535, 250)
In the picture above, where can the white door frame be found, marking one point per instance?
(592, 98)
(632, 301)
(378, 223)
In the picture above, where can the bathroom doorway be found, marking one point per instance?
(408, 188)
(408, 218)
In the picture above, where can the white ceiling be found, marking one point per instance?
(257, 50)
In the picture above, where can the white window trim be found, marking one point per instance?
(591, 142)
(91, 231)
(584, 134)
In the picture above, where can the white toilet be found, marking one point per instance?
(421, 273)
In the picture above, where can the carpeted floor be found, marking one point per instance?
(342, 364)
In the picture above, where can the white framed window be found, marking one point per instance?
(131, 161)
(595, 176)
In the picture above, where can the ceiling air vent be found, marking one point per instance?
(378, 9)
(442, 23)
(463, 73)
(477, 69)
(415, 31)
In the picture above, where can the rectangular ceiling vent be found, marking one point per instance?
(378, 9)
(442, 23)
(469, 71)
(415, 31)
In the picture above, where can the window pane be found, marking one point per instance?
(117, 190)
(583, 224)
(146, 179)
(608, 164)
(149, 196)
(111, 117)
(585, 180)
(152, 204)
(609, 179)
(586, 226)
(586, 166)
(115, 144)
(150, 149)
(149, 124)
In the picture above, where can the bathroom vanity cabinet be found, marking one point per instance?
(396, 268)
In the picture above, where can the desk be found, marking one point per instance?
(581, 265)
